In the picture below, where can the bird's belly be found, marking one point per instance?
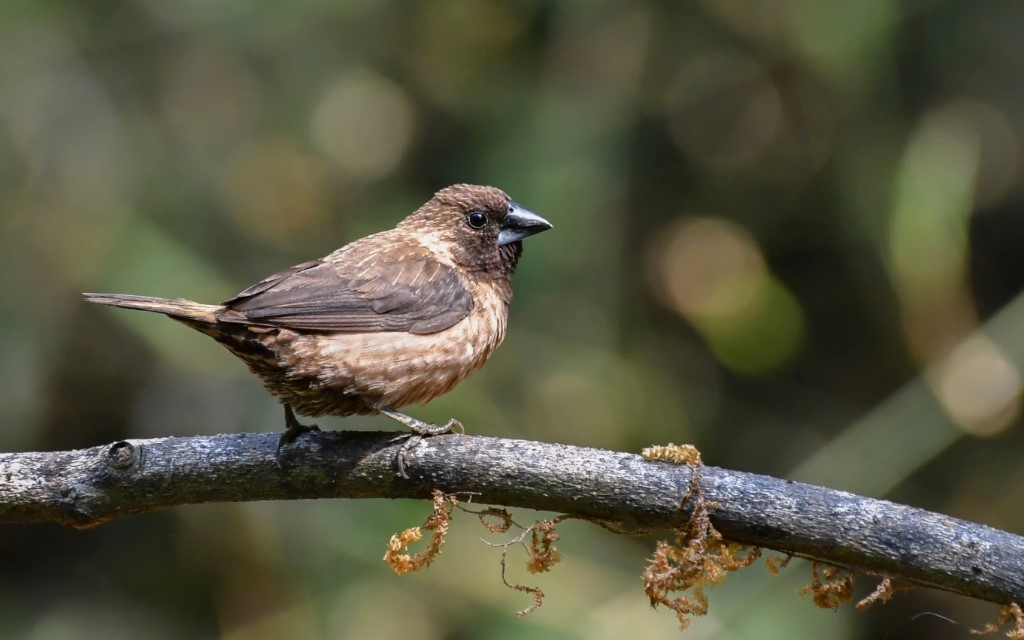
(358, 373)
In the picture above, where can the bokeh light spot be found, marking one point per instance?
(711, 269)
(928, 233)
(365, 124)
(712, 273)
(979, 387)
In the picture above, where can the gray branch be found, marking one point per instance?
(88, 487)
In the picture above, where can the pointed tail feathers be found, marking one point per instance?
(178, 309)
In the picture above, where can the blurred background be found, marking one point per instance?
(786, 231)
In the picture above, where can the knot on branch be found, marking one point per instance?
(85, 500)
(122, 455)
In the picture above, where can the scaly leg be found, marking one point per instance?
(419, 430)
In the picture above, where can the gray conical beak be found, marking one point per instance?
(520, 223)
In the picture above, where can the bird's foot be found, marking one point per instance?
(292, 430)
(419, 430)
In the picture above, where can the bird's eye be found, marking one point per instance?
(476, 219)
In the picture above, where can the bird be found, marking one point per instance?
(395, 318)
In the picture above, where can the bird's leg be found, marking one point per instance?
(292, 430)
(419, 430)
(419, 427)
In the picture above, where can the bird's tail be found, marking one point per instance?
(184, 310)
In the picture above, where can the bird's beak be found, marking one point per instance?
(520, 223)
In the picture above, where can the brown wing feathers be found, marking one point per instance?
(414, 294)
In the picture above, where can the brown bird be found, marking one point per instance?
(396, 318)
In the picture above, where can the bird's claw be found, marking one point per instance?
(412, 440)
(428, 429)
(419, 430)
(450, 427)
(293, 429)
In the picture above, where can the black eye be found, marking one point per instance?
(476, 219)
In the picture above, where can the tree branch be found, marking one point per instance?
(87, 487)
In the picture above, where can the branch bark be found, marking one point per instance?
(87, 487)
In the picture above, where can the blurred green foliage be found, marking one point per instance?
(787, 232)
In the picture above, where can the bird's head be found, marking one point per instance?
(477, 227)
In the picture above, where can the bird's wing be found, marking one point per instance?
(270, 281)
(384, 289)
